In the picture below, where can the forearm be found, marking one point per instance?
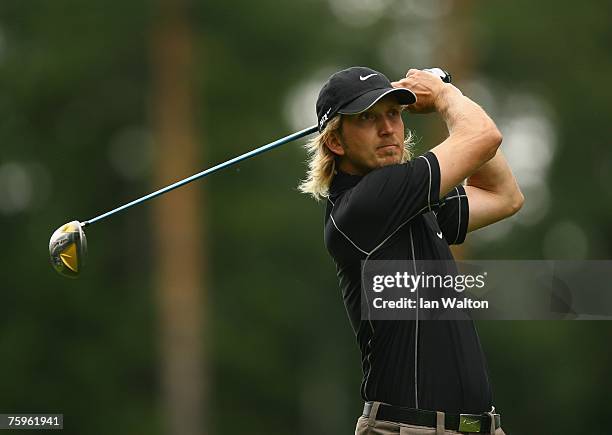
(462, 115)
(495, 176)
(473, 138)
(466, 118)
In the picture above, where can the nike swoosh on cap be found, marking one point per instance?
(362, 78)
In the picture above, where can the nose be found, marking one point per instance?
(385, 126)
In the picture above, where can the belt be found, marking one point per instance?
(478, 423)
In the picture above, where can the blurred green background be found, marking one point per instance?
(216, 309)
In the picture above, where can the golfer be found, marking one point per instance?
(419, 377)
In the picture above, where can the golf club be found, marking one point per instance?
(68, 244)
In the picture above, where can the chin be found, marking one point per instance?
(391, 160)
(390, 156)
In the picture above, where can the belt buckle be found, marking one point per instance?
(469, 422)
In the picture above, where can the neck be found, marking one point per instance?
(349, 168)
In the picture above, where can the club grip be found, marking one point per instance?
(444, 75)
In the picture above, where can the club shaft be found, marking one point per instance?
(247, 155)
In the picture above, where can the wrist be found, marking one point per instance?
(444, 97)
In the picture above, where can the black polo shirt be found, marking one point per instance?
(394, 213)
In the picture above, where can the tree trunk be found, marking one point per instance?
(177, 224)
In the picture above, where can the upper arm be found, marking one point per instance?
(486, 207)
(468, 208)
(453, 215)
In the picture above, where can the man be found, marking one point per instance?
(418, 377)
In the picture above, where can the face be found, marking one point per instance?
(371, 139)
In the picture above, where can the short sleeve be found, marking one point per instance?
(397, 193)
(389, 197)
(453, 214)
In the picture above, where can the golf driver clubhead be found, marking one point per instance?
(68, 249)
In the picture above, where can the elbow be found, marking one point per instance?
(515, 203)
(493, 139)
(490, 139)
(496, 137)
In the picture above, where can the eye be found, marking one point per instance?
(367, 116)
(393, 113)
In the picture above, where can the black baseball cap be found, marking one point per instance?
(354, 90)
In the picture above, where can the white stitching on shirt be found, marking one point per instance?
(398, 228)
(454, 197)
(384, 240)
(459, 223)
(416, 330)
(369, 346)
(347, 237)
(458, 196)
(429, 191)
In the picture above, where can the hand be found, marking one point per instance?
(426, 86)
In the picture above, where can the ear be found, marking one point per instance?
(334, 145)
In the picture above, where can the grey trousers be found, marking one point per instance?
(370, 426)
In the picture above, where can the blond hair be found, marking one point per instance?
(322, 161)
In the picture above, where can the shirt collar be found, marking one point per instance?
(343, 181)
